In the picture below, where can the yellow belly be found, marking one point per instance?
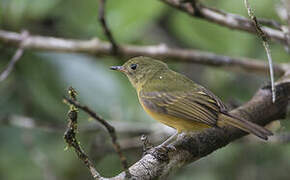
(181, 125)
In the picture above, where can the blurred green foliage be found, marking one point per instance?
(40, 79)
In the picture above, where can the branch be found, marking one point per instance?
(264, 38)
(190, 148)
(99, 48)
(110, 129)
(14, 59)
(30, 123)
(106, 28)
(70, 137)
(232, 21)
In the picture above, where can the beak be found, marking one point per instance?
(118, 68)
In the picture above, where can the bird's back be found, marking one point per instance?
(174, 82)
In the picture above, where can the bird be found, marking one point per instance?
(176, 101)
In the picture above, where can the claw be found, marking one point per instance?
(160, 153)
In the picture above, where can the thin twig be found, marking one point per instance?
(105, 27)
(15, 58)
(264, 38)
(70, 137)
(99, 48)
(232, 21)
(110, 129)
(145, 144)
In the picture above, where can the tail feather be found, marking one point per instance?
(247, 126)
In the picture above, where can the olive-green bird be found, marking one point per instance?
(177, 101)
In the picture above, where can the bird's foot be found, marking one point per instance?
(146, 145)
(161, 152)
(171, 148)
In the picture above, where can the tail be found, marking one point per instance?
(247, 126)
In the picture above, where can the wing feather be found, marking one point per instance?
(196, 106)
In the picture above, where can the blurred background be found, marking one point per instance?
(33, 115)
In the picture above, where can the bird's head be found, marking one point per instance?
(140, 69)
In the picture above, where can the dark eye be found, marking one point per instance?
(133, 66)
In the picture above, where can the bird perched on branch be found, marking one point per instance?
(178, 102)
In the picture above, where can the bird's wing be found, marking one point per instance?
(208, 93)
(198, 105)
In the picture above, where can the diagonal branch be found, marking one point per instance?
(100, 48)
(105, 26)
(232, 21)
(71, 140)
(14, 59)
(111, 130)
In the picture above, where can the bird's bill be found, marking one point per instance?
(118, 68)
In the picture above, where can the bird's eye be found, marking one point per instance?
(133, 66)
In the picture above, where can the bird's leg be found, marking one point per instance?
(161, 151)
(169, 140)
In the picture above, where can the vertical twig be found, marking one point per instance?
(146, 144)
(110, 129)
(15, 58)
(70, 136)
(264, 38)
(106, 28)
